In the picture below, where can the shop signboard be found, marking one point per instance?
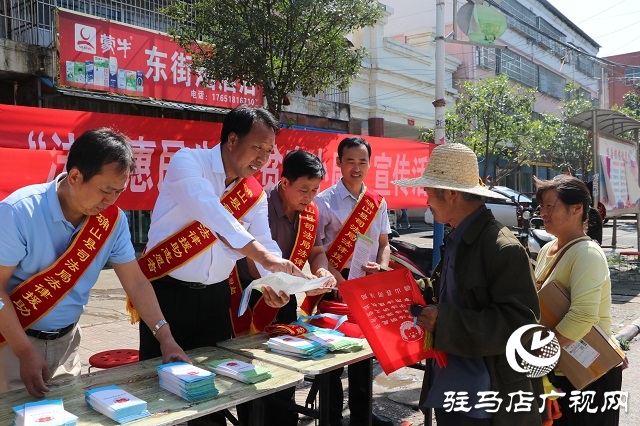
(107, 56)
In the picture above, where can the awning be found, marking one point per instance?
(141, 101)
(607, 121)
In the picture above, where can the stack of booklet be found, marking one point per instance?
(116, 403)
(45, 412)
(187, 381)
(240, 370)
(302, 348)
(334, 342)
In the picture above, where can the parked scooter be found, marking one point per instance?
(537, 237)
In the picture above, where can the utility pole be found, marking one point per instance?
(440, 108)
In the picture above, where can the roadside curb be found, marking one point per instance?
(630, 331)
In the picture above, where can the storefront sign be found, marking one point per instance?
(108, 56)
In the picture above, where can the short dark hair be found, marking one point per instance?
(352, 142)
(240, 120)
(98, 147)
(299, 163)
(571, 191)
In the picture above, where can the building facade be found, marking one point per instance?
(623, 72)
(541, 48)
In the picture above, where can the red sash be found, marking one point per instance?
(38, 295)
(341, 249)
(261, 314)
(178, 249)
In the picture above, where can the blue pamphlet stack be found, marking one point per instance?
(116, 403)
(240, 370)
(295, 346)
(45, 412)
(187, 381)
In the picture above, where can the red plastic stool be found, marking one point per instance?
(113, 358)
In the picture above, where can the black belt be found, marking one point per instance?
(50, 335)
(189, 285)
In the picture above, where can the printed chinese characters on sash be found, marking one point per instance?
(341, 249)
(254, 320)
(36, 296)
(183, 246)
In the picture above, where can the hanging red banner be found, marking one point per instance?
(34, 142)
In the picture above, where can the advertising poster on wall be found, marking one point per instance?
(108, 56)
(618, 182)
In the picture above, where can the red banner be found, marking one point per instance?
(103, 55)
(34, 141)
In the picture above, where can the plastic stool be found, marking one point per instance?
(113, 358)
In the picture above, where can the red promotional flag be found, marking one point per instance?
(380, 305)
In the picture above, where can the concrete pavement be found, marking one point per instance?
(106, 325)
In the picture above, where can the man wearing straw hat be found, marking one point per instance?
(484, 291)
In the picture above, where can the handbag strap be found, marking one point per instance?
(548, 271)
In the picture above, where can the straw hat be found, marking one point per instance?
(451, 166)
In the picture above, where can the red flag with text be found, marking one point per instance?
(380, 305)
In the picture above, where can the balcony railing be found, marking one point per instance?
(32, 21)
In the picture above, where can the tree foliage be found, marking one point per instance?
(493, 117)
(572, 147)
(631, 104)
(283, 45)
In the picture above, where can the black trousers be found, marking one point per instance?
(612, 381)
(197, 317)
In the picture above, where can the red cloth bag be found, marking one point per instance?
(349, 327)
(380, 305)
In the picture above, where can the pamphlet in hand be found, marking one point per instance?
(280, 281)
(49, 412)
(116, 403)
(361, 253)
(240, 370)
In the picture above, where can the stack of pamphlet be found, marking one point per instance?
(302, 348)
(116, 403)
(334, 342)
(45, 412)
(240, 370)
(187, 381)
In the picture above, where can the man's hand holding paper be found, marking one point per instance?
(279, 283)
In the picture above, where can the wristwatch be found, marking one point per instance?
(158, 326)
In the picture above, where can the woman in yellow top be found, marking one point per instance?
(584, 273)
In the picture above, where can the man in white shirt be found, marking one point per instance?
(337, 205)
(202, 185)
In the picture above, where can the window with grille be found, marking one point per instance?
(518, 68)
(521, 17)
(486, 58)
(632, 76)
(551, 83)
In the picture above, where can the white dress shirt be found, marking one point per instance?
(335, 204)
(191, 190)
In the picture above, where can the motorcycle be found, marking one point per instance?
(407, 255)
(536, 236)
